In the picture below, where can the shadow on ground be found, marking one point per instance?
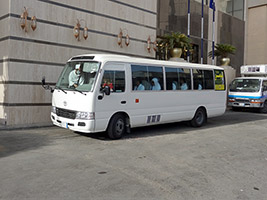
(229, 118)
(12, 142)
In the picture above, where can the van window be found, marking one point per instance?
(115, 80)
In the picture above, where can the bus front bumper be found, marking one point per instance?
(247, 103)
(85, 126)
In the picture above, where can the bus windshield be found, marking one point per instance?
(78, 75)
(245, 85)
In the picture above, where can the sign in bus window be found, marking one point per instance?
(219, 80)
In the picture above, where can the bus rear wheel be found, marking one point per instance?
(200, 118)
(116, 127)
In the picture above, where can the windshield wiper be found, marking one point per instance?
(80, 91)
(57, 87)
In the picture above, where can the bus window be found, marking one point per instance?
(156, 78)
(171, 79)
(184, 79)
(140, 79)
(198, 79)
(115, 80)
(147, 78)
(178, 79)
(208, 80)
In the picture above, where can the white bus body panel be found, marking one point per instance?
(73, 101)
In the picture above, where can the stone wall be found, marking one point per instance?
(25, 57)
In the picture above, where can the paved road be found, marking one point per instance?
(226, 159)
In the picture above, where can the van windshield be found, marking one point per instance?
(78, 75)
(245, 85)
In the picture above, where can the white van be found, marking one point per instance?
(250, 90)
(114, 93)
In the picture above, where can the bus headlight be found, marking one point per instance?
(85, 115)
(231, 100)
(53, 109)
(255, 101)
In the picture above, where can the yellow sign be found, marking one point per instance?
(219, 80)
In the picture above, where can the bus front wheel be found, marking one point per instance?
(200, 118)
(264, 108)
(116, 127)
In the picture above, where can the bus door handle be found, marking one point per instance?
(123, 102)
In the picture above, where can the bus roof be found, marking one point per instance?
(128, 59)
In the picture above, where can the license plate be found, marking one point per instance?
(64, 124)
(241, 104)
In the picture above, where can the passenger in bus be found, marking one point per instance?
(76, 77)
(139, 86)
(155, 84)
(183, 84)
(107, 82)
(146, 84)
(174, 85)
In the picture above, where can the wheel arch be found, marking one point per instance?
(127, 119)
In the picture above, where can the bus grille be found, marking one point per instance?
(242, 100)
(66, 113)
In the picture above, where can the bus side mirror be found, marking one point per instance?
(43, 80)
(46, 87)
(107, 90)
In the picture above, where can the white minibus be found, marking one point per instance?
(113, 93)
(250, 90)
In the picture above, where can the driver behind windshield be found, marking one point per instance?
(76, 77)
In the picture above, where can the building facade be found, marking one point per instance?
(256, 32)
(229, 25)
(26, 55)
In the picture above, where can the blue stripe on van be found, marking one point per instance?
(250, 97)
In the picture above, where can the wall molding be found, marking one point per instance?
(67, 45)
(31, 62)
(25, 83)
(95, 13)
(132, 6)
(24, 104)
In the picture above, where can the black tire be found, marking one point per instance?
(116, 127)
(264, 108)
(200, 118)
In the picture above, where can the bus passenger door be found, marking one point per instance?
(113, 76)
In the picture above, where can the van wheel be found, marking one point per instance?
(116, 127)
(264, 108)
(200, 118)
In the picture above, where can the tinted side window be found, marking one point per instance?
(185, 78)
(178, 79)
(140, 79)
(156, 78)
(147, 78)
(198, 79)
(171, 78)
(115, 80)
(208, 80)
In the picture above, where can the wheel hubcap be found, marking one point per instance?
(200, 118)
(119, 126)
